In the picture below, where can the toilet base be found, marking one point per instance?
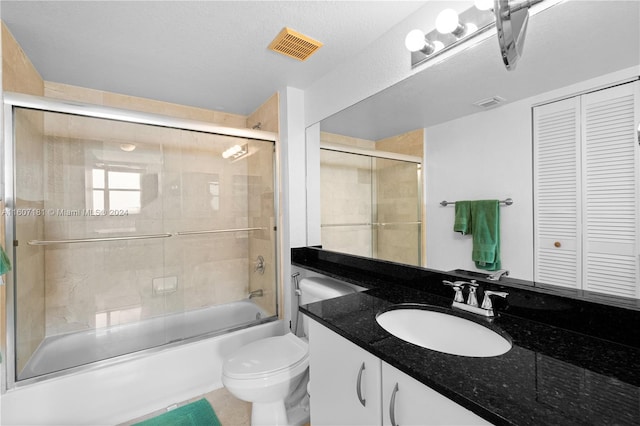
(268, 413)
(298, 415)
(275, 413)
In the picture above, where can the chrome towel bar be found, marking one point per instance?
(370, 224)
(96, 240)
(218, 231)
(136, 237)
(507, 202)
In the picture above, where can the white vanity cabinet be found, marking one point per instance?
(344, 380)
(406, 401)
(350, 386)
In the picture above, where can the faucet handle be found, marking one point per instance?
(457, 287)
(486, 302)
(471, 298)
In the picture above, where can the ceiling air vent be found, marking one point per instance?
(295, 45)
(489, 102)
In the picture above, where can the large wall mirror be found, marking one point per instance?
(486, 152)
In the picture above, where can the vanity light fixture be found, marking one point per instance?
(449, 22)
(510, 18)
(483, 4)
(416, 41)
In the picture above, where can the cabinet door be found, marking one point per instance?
(557, 190)
(408, 402)
(344, 380)
(610, 189)
(586, 191)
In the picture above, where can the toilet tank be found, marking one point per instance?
(314, 289)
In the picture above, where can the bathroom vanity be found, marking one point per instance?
(381, 394)
(573, 360)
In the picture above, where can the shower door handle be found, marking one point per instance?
(359, 387)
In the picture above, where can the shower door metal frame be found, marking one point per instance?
(11, 101)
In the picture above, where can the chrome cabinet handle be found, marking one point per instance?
(392, 406)
(359, 387)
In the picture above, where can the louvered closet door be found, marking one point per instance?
(556, 136)
(610, 190)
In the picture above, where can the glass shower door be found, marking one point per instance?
(371, 206)
(397, 233)
(131, 236)
(346, 200)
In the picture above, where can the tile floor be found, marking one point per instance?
(230, 410)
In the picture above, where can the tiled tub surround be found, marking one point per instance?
(573, 361)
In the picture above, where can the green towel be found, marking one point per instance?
(462, 222)
(485, 221)
(197, 413)
(5, 263)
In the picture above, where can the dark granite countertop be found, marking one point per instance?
(552, 375)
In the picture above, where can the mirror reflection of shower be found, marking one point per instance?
(371, 203)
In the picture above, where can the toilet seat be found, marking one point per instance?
(267, 357)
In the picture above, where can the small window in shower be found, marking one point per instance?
(115, 192)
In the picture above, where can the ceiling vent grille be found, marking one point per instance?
(489, 102)
(295, 45)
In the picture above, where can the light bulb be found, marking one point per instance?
(414, 41)
(484, 4)
(447, 21)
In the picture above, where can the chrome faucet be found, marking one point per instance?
(486, 309)
(498, 274)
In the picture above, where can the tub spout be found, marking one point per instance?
(256, 293)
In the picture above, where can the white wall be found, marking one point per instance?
(482, 156)
(293, 177)
(485, 156)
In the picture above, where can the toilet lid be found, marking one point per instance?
(266, 356)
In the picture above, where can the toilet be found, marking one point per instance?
(272, 373)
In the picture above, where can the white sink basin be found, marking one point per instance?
(442, 332)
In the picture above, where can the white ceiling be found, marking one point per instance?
(209, 54)
(569, 42)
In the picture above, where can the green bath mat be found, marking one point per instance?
(197, 413)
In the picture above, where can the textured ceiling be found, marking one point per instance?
(210, 54)
(567, 43)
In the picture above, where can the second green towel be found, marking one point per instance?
(485, 222)
(462, 221)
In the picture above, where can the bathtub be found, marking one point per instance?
(119, 389)
(64, 351)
